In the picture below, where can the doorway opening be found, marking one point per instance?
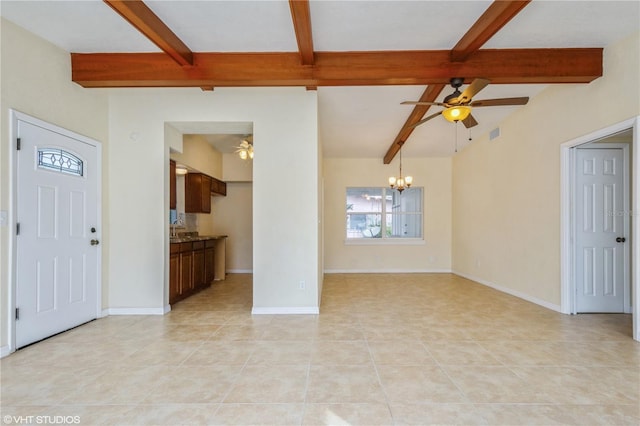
(210, 149)
(598, 269)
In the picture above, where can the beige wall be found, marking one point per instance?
(433, 174)
(199, 155)
(233, 216)
(280, 259)
(506, 205)
(235, 169)
(36, 80)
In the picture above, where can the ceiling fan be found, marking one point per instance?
(245, 149)
(458, 104)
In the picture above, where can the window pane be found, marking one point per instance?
(410, 200)
(384, 213)
(405, 225)
(364, 200)
(364, 225)
(60, 161)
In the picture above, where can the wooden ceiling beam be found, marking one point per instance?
(140, 16)
(301, 17)
(429, 95)
(490, 22)
(509, 66)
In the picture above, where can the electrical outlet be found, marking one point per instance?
(3, 218)
(301, 285)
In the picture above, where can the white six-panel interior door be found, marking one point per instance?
(57, 235)
(602, 275)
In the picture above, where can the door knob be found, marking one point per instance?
(621, 240)
(95, 242)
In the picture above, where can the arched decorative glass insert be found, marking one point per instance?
(60, 161)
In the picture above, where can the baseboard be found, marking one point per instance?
(4, 351)
(239, 271)
(137, 311)
(512, 292)
(289, 310)
(387, 271)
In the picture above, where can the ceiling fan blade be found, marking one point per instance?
(500, 102)
(476, 85)
(424, 120)
(423, 103)
(469, 121)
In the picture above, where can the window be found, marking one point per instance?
(60, 161)
(384, 213)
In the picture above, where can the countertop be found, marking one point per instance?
(190, 238)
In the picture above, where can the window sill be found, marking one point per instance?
(384, 241)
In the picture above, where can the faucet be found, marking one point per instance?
(174, 225)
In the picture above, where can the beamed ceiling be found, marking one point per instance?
(363, 57)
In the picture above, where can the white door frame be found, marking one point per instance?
(13, 185)
(567, 301)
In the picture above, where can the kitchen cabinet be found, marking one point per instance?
(209, 261)
(174, 273)
(218, 187)
(198, 264)
(173, 200)
(192, 267)
(186, 272)
(197, 193)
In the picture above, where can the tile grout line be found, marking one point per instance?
(375, 367)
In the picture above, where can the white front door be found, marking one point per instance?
(57, 240)
(600, 224)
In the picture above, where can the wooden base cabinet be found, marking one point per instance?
(198, 264)
(209, 261)
(174, 277)
(191, 268)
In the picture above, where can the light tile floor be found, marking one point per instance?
(386, 349)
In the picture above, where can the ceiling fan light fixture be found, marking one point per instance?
(456, 113)
(245, 150)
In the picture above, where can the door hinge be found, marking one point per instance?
(18, 228)
(18, 144)
(17, 314)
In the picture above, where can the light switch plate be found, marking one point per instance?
(3, 218)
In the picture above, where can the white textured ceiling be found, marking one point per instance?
(353, 121)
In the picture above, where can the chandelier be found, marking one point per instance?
(400, 183)
(245, 150)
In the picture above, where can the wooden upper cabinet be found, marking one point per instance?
(218, 187)
(198, 190)
(197, 195)
(205, 194)
(173, 203)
